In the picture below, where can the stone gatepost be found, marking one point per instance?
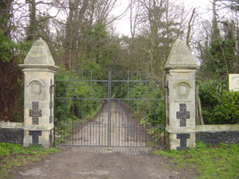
(39, 69)
(180, 71)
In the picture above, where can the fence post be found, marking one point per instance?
(39, 69)
(180, 70)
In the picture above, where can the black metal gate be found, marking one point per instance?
(90, 111)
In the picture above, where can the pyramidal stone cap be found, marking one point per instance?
(180, 57)
(39, 54)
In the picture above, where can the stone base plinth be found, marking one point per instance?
(180, 141)
(43, 138)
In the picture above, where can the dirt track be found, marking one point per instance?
(117, 130)
(99, 163)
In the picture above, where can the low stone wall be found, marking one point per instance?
(11, 132)
(208, 134)
(215, 134)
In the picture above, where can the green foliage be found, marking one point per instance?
(201, 145)
(219, 106)
(149, 111)
(93, 67)
(148, 106)
(11, 80)
(219, 57)
(220, 161)
(6, 47)
(4, 152)
(75, 94)
(14, 155)
(98, 48)
(64, 129)
(7, 149)
(9, 49)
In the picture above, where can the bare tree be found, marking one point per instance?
(77, 9)
(84, 17)
(136, 16)
(158, 20)
(190, 25)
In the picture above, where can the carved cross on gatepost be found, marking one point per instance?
(35, 137)
(183, 140)
(35, 112)
(183, 115)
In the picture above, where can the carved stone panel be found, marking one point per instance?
(183, 115)
(35, 113)
(35, 90)
(183, 88)
(35, 86)
(183, 140)
(35, 137)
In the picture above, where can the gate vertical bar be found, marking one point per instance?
(71, 127)
(165, 106)
(54, 112)
(109, 109)
(91, 118)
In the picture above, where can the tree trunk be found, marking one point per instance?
(215, 29)
(31, 33)
(74, 21)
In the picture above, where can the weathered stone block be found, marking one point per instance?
(11, 135)
(227, 137)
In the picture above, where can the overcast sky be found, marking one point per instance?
(123, 25)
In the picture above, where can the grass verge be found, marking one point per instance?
(13, 156)
(219, 162)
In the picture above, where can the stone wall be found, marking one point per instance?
(11, 132)
(215, 134)
(208, 134)
(231, 137)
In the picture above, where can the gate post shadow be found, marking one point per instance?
(39, 70)
(180, 70)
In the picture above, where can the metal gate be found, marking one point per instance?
(110, 112)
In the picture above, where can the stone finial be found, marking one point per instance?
(39, 54)
(180, 57)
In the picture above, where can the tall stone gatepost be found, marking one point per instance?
(39, 69)
(180, 71)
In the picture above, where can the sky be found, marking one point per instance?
(123, 25)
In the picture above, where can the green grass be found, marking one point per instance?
(13, 156)
(219, 162)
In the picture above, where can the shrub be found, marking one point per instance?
(70, 96)
(219, 106)
(150, 107)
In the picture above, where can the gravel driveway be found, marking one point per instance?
(102, 163)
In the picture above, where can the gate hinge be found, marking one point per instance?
(166, 88)
(51, 88)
